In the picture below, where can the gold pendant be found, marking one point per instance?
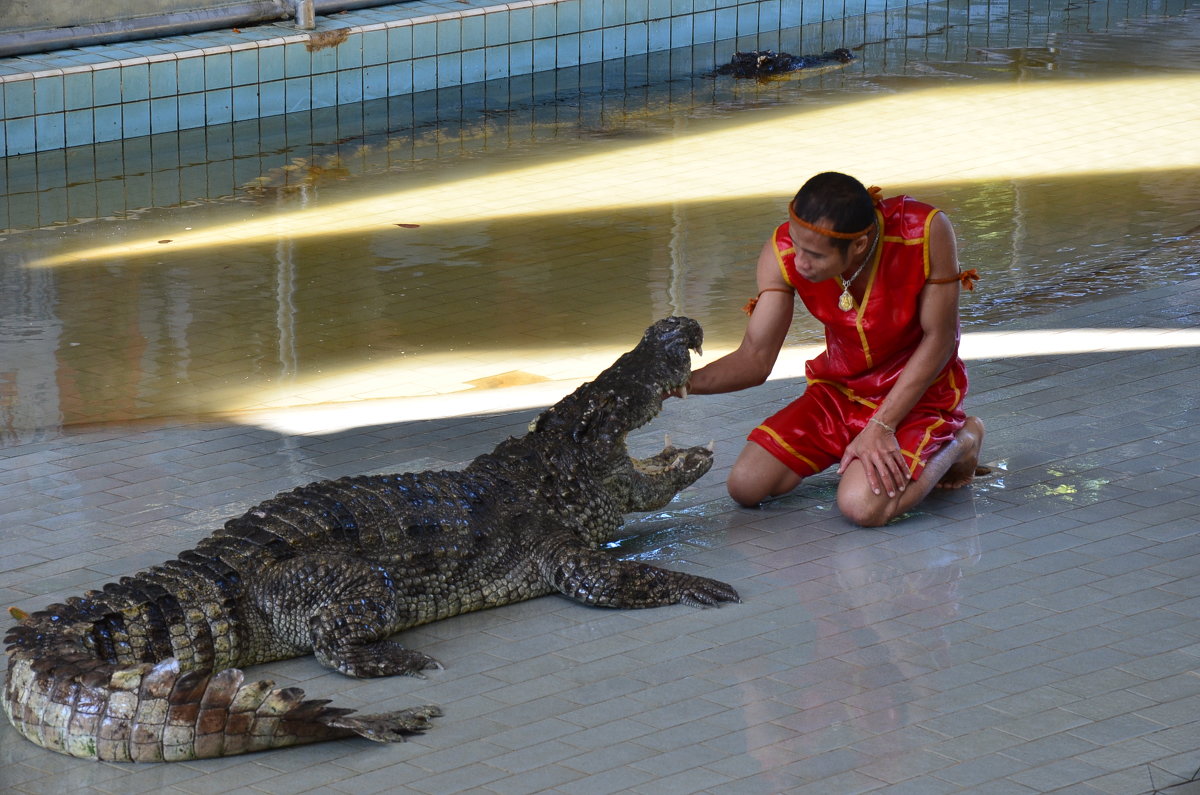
(846, 302)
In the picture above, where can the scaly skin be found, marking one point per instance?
(148, 668)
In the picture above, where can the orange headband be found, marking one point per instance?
(874, 191)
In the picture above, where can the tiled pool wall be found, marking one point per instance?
(113, 92)
(97, 94)
(163, 122)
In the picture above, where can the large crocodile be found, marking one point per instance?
(148, 668)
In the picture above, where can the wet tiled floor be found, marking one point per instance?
(1035, 632)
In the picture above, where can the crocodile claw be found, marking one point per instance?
(389, 727)
(704, 592)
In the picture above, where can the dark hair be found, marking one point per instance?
(841, 199)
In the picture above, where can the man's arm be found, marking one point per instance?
(938, 315)
(766, 330)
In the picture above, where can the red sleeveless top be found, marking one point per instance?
(868, 346)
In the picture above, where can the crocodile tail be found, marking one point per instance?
(155, 712)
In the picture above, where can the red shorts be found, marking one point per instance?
(812, 432)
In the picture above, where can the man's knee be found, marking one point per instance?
(757, 475)
(863, 507)
(744, 490)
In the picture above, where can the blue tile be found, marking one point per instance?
(520, 58)
(164, 115)
(424, 74)
(424, 40)
(244, 67)
(704, 26)
(270, 63)
(726, 23)
(473, 66)
(567, 12)
(520, 25)
(747, 20)
(218, 106)
(374, 47)
(349, 86)
(79, 129)
(545, 55)
(48, 94)
(163, 80)
(472, 32)
(791, 15)
(636, 38)
(567, 50)
(107, 123)
(48, 129)
(324, 61)
(681, 7)
(272, 100)
(135, 119)
(18, 99)
(614, 43)
(191, 111)
(245, 102)
(769, 15)
(449, 36)
(545, 20)
(496, 61)
(375, 82)
(659, 33)
(400, 43)
(298, 93)
(449, 70)
(135, 82)
(324, 90)
(591, 14)
(296, 61)
(681, 31)
(636, 10)
(495, 25)
(218, 71)
(190, 75)
(591, 46)
(614, 13)
(350, 53)
(400, 78)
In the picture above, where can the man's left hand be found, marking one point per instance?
(883, 461)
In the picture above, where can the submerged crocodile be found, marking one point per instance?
(148, 668)
(764, 63)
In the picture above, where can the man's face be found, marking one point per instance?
(817, 258)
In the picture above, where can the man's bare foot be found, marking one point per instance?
(963, 471)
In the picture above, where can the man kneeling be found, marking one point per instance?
(884, 400)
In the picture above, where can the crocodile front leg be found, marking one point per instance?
(594, 577)
(340, 607)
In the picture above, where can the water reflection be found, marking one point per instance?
(408, 307)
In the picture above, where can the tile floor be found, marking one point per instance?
(1037, 632)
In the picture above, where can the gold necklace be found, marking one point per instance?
(845, 300)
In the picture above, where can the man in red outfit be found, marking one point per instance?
(884, 400)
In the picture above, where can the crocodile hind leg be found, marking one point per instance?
(340, 607)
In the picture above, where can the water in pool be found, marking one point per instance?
(518, 234)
